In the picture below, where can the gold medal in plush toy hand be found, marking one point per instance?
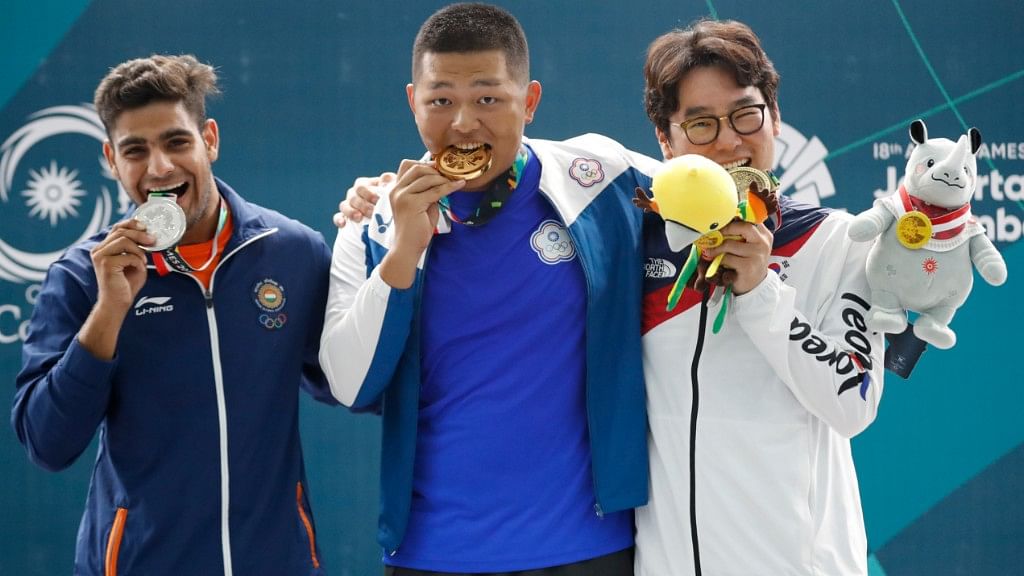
(463, 164)
(712, 239)
(914, 229)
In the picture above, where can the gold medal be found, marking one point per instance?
(712, 239)
(458, 164)
(743, 176)
(914, 229)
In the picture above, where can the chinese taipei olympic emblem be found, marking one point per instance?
(269, 297)
(552, 243)
(50, 187)
(586, 171)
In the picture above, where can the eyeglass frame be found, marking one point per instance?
(718, 123)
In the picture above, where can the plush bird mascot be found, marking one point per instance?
(696, 198)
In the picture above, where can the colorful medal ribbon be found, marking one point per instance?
(493, 198)
(173, 259)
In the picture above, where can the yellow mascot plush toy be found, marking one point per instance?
(696, 198)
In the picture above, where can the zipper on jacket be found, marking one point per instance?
(114, 542)
(598, 510)
(307, 524)
(694, 406)
(222, 418)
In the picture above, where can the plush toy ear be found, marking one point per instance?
(975, 136)
(918, 131)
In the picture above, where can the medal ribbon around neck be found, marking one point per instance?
(171, 257)
(493, 198)
(945, 222)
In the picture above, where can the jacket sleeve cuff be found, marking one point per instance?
(83, 367)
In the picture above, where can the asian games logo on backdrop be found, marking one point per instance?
(800, 166)
(55, 189)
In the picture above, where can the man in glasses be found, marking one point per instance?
(751, 469)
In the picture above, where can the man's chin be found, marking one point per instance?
(478, 184)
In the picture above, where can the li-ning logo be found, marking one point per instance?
(153, 305)
(52, 190)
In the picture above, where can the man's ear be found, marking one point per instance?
(108, 153)
(664, 144)
(410, 94)
(533, 92)
(211, 137)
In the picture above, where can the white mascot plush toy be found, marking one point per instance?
(927, 240)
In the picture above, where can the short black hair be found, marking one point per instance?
(473, 27)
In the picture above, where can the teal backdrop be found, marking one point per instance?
(314, 96)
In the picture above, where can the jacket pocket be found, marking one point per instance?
(300, 504)
(114, 542)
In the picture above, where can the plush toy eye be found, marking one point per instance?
(931, 162)
(967, 170)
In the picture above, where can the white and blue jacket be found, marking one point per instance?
(370, 348)
(199, 468)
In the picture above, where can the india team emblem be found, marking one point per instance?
(269, 296)
(551, 241)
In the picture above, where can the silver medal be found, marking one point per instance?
(164, 220)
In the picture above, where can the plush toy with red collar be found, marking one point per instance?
(928, 240)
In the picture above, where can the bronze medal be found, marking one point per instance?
(458, 164)
(914, 229)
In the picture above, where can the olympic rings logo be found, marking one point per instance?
(586, 171)
(273, 322)
(551, 241)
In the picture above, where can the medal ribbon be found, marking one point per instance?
(493, 198)
(946, 223)
(173, 259)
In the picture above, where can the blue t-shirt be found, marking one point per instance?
(502, 478)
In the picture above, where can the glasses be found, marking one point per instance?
(704, 129)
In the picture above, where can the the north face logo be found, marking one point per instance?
(659, 268)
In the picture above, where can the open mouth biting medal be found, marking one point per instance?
(468, 164)
(458, 164)
(164, 220)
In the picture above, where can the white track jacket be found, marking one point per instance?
(749, 428)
